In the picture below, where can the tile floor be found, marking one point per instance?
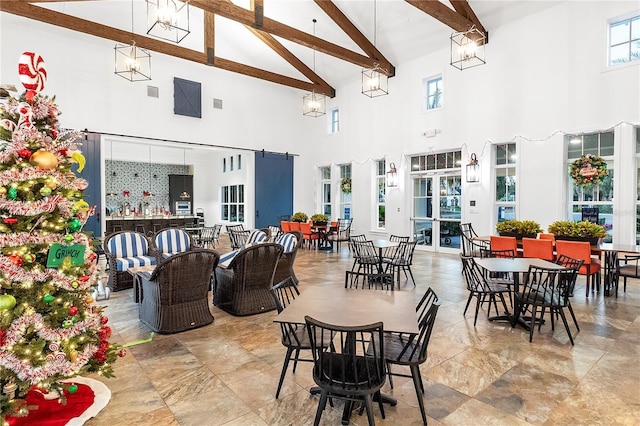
(226, 373)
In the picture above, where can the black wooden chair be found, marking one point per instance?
(483, 289)
(402, 260)
(348, 364)
(411, 349)
(628, 266)
(471, 247)
(546, 290)
(343, 233)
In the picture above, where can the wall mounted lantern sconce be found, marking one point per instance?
(392, 176)
(473, 169)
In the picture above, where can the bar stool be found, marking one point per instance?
(117, 225)
(157, 223)
(139, 227)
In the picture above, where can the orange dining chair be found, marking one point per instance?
(294, 226)
(310, 237)
(537, 248)
(543, 236)
(285, 226)
(504, 243)
(581, 250)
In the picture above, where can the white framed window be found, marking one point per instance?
(432, 93)
(624, 41)
(239, 161)
(505, 181)
(334, 120)
(381, 193)
(230, 164)
(439, 161)
(224, 165)
(596, 196)
(232, 203)
(325, 189)
(345, 197)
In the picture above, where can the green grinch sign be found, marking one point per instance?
(59, 252)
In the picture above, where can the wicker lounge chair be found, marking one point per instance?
(174, 296)
(284, 269)
(124, 250)
(244, 287)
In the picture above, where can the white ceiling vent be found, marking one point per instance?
(153, 92)
(217, 103)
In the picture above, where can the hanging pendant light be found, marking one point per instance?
(375, 81)
(467, 48)
(184, 195)
(168, 19)
(314, 104)
(132, 62)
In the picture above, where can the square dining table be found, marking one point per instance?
(355, 307)
(515, 266)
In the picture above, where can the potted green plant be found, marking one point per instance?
(577, 231)
(299, 217)
(518, 228)
(320, 219)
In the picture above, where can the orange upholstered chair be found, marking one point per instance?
(310, 237)
(581, 250)
(285, 226)
(295, 226)
(504, 243)
(544, 236)
(537, 248)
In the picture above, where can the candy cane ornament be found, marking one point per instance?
(33, 73)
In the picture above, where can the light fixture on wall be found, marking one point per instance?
(314, 104)
(473, 169)
(168, 19)
(467, 48)
(132, 62)
(375, 81)
(392, 176)
(184, 195)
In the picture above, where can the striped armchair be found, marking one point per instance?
(170, 241)
(124, 250)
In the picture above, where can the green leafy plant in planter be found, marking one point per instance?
(320, 219)
(518, 228)
(577, 231)
(299, 217)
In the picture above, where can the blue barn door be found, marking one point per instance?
(274, 188)
(90, 147)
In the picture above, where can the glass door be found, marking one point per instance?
(437, 206)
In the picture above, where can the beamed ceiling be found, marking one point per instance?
(274, 40)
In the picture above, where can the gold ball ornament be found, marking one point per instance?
(73, 356)
(51, 184)
(45, 160)
(3, 190)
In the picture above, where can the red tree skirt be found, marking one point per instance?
(91, 397)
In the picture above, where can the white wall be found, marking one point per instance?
(545, 76)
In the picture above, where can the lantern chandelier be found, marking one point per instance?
(375, 81)
(467, 48)
(132, 63)
(168, 19)
(314, 104)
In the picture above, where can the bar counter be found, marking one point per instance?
(147, 224)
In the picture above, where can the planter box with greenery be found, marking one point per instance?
(299, 217)
(320, 219)
(518, 228)
(577, 231)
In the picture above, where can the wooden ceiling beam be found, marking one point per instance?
(210, 37)
(353, 32)
(73, 23)
(246, 17)
(258, 10)
(464, 9)
(443, 13)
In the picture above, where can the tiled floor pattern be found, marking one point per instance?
(227, 372)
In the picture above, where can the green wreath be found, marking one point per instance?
(345, 185)
(588, 170)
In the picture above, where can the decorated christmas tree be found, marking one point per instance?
(50, 327)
